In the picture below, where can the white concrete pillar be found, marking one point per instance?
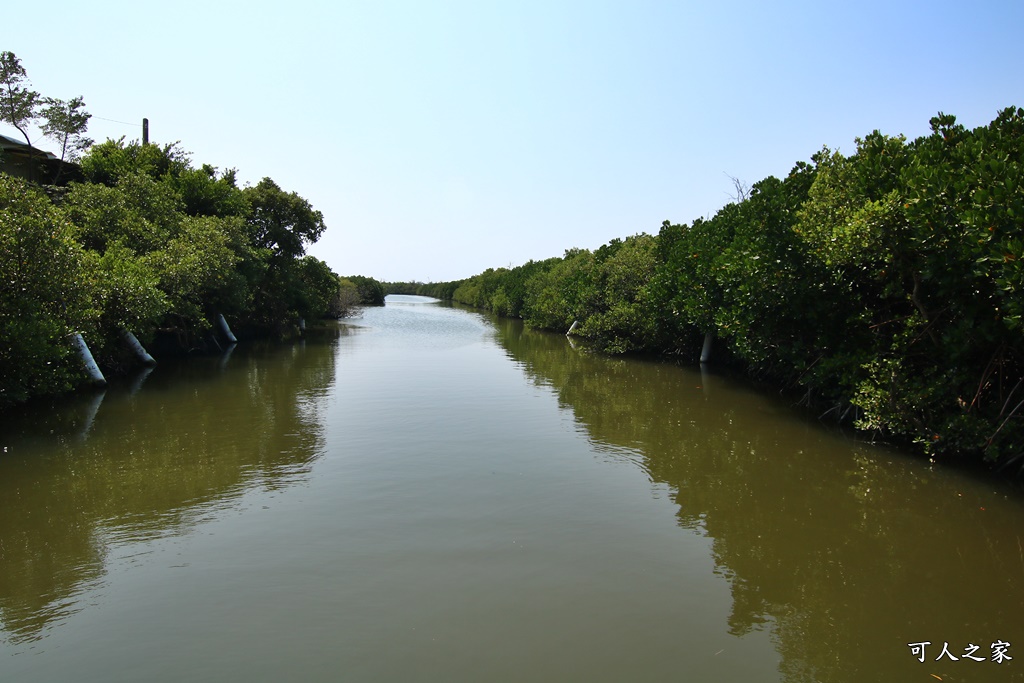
(137, 348)
(705, 354)
(223, 324)
(91, 369)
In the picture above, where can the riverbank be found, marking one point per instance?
(147, 248)
(886, 287)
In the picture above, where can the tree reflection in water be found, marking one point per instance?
(95, 472)
(844, 550)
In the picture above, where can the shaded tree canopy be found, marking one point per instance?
(282, 222)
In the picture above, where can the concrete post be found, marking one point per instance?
(705, 354)
(137, 348)
(91, 369)
(223, 324)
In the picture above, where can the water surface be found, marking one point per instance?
(431, 494)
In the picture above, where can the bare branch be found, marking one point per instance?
(741, 191)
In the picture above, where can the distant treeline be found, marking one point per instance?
(885, 287)
(147, 243)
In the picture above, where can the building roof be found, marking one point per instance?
(34, 164)
(16, 146)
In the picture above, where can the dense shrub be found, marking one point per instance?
(44, 294)
(147, 243)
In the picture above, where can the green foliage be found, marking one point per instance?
(107, 162)
(503, 290)
(145, 242)
(887, 283)
(513, 289)
(320, 288)
(370, 291)
(478, 290)
(104, 214)
(561, 295)
(196, 271)
(410, 288)
(65, 122)
(280, 221)
(125, 295)
(205, 194)
(621, 311)
(347, 300)
(44, 294)
(962, 200)
(439, 290)
(774, 304)
(686, 280)
(139, 212)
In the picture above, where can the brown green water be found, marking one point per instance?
(428, 494)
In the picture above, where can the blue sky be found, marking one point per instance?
(443, 138)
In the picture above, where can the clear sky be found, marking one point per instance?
(443, 138)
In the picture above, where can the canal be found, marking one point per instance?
(432, 494)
